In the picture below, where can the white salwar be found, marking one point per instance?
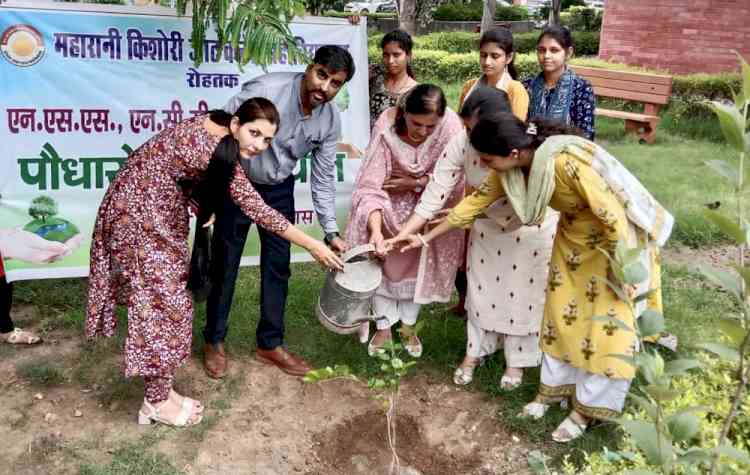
(593, 395)
(507, 263)
(389, 311)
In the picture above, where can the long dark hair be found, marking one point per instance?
(483, 101)
(422, 99)
(503, 38)
(404, 41)
(501, 133)
(211, 190)
(558, 33)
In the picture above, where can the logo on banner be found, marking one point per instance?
(22, 45)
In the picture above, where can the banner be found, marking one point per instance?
(83, 89)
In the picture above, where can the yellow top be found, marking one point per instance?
(517, 96)
(591, 218)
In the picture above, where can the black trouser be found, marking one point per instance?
(6, 300)
(230, 233)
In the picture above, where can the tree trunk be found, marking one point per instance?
(407, 16)
(554, 12)
(488, 15)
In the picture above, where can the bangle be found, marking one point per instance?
(421, 239)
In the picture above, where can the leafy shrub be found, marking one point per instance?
(513, 13)
(458, 12)
(582, 19)
(473, 12)
(711, 388)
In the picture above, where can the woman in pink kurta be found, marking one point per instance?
(403, 150)
(139, 251)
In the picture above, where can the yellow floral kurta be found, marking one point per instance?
(590, 217)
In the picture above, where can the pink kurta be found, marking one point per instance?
(424, 275)
(139, 250)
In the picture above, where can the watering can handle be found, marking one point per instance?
(355, 251)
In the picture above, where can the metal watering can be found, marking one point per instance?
(346, 297)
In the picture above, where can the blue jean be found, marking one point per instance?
(230, 233)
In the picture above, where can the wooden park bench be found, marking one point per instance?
(651, 90)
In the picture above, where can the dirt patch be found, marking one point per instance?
(360, 446)
(720, 257)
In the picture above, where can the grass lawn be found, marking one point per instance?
(673, 170)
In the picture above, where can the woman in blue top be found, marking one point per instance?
(557, 93)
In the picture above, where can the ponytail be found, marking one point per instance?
(212, 189)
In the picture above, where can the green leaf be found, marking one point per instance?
(639, 471)
(634, 273)
(734, 330)
(694, 456)
(661, 393)
(745, 273)
(726, 170)
(644, 296)
(397, 363)
(733, 453)
(732, 124)
(681, 366)
(722, 351)
(745, 75)
(650, 323)
(724, 279)
(683, 426)
(616, 321)
(614, 287)
(644, 436)
(727, 226)
(537, 462)
(648, 406)
(651, 365)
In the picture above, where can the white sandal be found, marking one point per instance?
(150, 413)
(19, 336)
(192, 404)
(534, 410)
(414, 350)
(464, 374)
(570, 429)
(509, 383)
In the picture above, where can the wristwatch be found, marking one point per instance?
(329, 237)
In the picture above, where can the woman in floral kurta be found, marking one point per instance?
(139, 251)
(576, 361)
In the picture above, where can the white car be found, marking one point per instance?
(364, 7)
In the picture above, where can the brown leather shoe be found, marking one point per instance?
(286, 361)
(215, 360)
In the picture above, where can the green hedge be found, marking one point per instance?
(430, 64)
(473, 12)
(587, 43)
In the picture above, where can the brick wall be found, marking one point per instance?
(681, 36)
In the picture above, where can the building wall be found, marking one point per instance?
(681, 36)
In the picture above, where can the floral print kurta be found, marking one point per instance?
(139, 250)
(590, 217)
